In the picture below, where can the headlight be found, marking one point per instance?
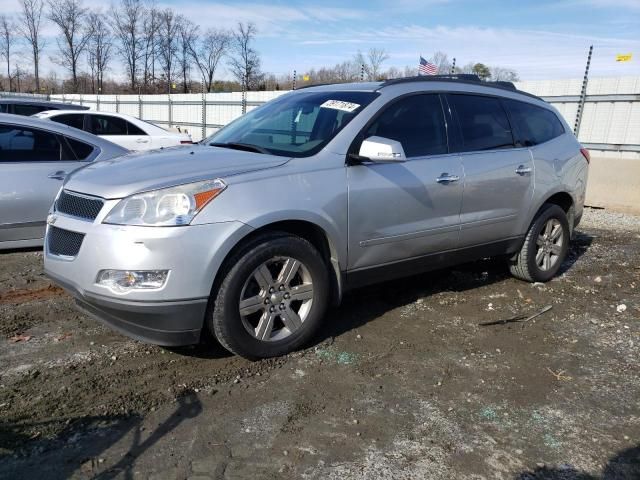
(167, 207)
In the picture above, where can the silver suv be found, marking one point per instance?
(251, 234)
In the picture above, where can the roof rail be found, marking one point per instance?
(458, 78)
(463, 77)
(503, 84)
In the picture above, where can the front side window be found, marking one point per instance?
(107, 125)
(535, 124)
(294, 125)
(483, 123)
(417, 122)
(74, 120)
(22, 144)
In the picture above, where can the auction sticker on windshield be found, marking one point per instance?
(340, 105)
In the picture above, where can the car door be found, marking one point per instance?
(33, 164)
(141, 139)
(498, 173)
(403, 210)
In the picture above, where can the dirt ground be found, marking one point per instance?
(403, 382)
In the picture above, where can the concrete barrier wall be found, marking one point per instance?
(614, 183)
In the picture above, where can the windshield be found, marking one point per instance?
(296, 125)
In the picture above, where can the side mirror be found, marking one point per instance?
(380, 149)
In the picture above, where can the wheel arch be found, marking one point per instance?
(310, 231)
(563, 199)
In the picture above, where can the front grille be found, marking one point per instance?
(64, 242)
(78, 206)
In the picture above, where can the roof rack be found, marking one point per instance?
(458, 78)
(464, 77)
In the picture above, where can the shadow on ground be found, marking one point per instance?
(99, 433)
(625, 465)
(366, 304)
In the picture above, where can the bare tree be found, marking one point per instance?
(376, 57)
(371, 62)
(441, 60)
(245, 64)
(501, 74)
(127, 22)
(168, 30)
(150, 29)
(98, 49)
(29, 27)
(7, 40)
(70, 17)
(208, 52)
(187, 39)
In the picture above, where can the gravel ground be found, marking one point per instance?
(402, 382)
(609, 220)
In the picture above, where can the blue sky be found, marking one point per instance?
(539, 39)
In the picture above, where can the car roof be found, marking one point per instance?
(42, 103)
(60, 129)
(87, 112)
(458, 82)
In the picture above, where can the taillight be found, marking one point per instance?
(585, 153)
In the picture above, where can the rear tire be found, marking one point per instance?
(272, 298)
(545, 246)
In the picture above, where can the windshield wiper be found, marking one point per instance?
(241, 146)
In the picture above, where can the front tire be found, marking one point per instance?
(272, 298)
(545, 246)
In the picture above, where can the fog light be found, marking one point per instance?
(125, 280)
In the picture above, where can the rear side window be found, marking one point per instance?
(72, 119)
(483, 122)
(4, 108)
(133, 130)
(534, 124)
(21, 144)
(26, 109)
(417, 122)
(79, 150)
(105, 125)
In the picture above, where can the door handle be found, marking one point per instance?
(59, 175)
(142, 140)
(446, 178)
(521, 170)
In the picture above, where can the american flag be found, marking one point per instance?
(426, 68)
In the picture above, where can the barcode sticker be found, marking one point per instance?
(340, 105)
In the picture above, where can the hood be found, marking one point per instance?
(138, 172)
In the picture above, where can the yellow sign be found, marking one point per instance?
(173, 85)
(306, 78)
(625, 57)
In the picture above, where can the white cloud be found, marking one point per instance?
(269, 19)
(533, 53)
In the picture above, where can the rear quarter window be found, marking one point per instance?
(80, 150)
(535, 125)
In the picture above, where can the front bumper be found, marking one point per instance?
(161, 323)
(171, 315)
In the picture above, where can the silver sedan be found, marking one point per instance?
(35, 158)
